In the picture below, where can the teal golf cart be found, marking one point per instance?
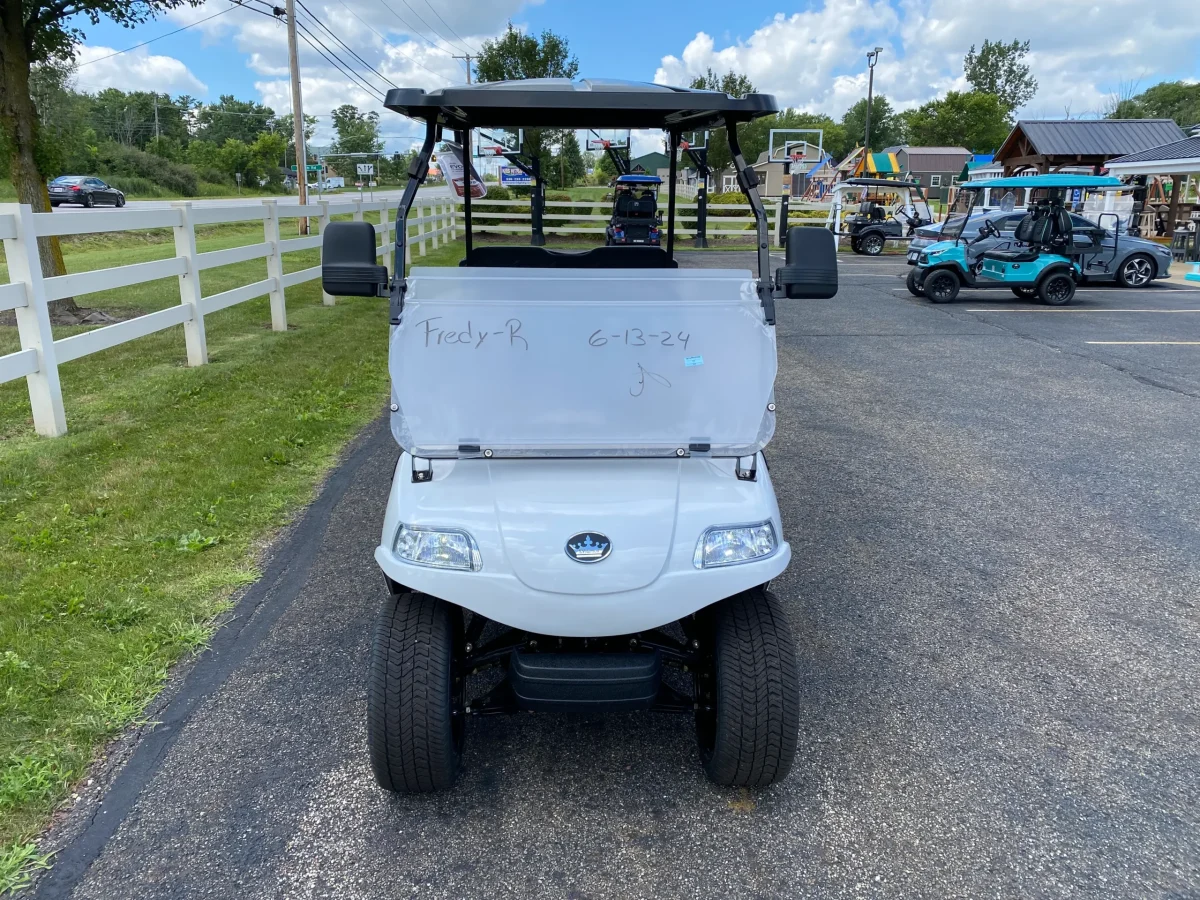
(1042, 260)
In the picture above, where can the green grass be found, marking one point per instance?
(122, 541)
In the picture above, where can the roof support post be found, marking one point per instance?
(416, 177)
(673, 140)
(464, 141)
(748, 180)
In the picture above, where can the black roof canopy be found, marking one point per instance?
(589, 103)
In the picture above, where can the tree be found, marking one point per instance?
(735, 84)
(1176, 100)
(566, 167)
(515, 56)
(230, 117)
(969, 119)
(887, 128)
(40, 31)
(283, 126)
(356, 132)
(999, 68)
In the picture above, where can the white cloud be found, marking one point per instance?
(1082, 50)
(134, 71)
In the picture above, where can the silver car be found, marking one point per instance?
(1130, 261)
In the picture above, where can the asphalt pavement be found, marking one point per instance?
(995, 586)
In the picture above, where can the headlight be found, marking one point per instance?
(728, 545)
(440, 548)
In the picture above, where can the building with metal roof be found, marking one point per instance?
(1050, 144)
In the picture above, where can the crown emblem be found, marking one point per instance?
(588, 547)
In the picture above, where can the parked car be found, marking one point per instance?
(86, 190)
(1130, 261)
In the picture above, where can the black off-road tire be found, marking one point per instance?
(1057, 289)
(872, 244)
(942, 286)
(913, 286)
(415, 726)
(748, 726)
(855, 245)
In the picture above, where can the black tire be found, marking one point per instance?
(942, 286)
(1057, 289)
(872, 244)
(415, 725)
(912, 284)
(88, 201)
(1025, 293)
(1137, 271)
(749, 721)
(855, 245)
(120, 201)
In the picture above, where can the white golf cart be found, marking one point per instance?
(581, 517)
(886, 209)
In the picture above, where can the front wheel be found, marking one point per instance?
(872, 244)
(1137, 271)
(913, 285)
(1057, 290)
(415, 726)
(942, 286)
(120, 202)
(748, 716)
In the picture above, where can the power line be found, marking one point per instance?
(412, 59)
(408, 28)
(421, 18)
(353, 53)
(159, 38)
(340, 64)
(433, 9)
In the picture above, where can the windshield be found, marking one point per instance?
(957, 215)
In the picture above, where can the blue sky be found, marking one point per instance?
(810, 54)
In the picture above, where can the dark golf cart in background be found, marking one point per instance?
(888, 210)
(590, 524)
(635, 217)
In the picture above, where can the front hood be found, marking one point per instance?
(940, 247)
(634, 505)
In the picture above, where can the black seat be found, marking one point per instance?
(624, 202)
(1012, 256)
(1034, 231)
(543, 258)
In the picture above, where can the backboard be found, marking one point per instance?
(797, 144)
(693, 140)
(601, 139)
(491, 142)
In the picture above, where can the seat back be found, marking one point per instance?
(1034, 230)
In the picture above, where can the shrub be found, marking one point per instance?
(116, 160)
(213, 175)
(134, 186)
(497, 192)
(730, 197)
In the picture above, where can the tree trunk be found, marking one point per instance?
(19, 118)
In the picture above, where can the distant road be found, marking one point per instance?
(437, 192)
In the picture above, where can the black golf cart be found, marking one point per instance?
(635, 216)
(580, 517)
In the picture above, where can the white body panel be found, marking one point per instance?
(522, 511)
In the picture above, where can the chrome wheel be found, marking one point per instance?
(1138, 271)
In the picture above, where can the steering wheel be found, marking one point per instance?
(986, 230)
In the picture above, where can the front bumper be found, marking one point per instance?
(462, 495)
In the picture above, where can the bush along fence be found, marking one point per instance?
(29, 292)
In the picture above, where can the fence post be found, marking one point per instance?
(275, 266)
(421, 229)
(435, 213)
(327, 299)
(189, 285)
(33, 323)
(453, 220)
(358, 211)
(384, 242)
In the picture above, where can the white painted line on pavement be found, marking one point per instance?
(1035, 309)
(1128, 343)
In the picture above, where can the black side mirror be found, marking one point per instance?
(349, 266)
(810, 270)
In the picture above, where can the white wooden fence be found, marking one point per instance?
(29, 292)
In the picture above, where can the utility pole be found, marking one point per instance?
(156, 117)
(468, 58)
(872, 58)
(297, 113)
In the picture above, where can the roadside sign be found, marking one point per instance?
(511, 176)
(310, 168)
(374, 184)
(366, 168)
